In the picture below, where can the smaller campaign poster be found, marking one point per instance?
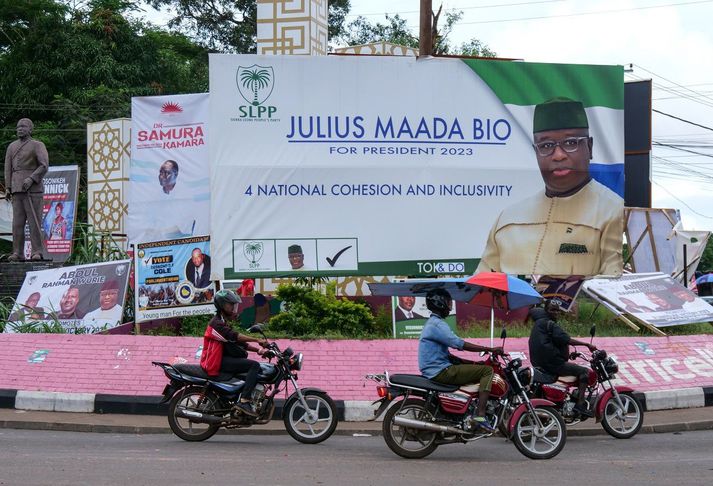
(59, 213)
(173, 278)
(563, 291)
(653, 298)
(82, 299)
(410, 315)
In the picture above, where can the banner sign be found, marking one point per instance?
(398, 166)
(653, 298)
(410, 315)
(173, 278)
(59, 213)
(82, 298)
(561, 290)
(169, 182)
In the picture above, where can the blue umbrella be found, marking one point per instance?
(457, 287)
(707, 278)
(488, 289)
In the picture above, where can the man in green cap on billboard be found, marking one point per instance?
(574, 226)
(296, 257)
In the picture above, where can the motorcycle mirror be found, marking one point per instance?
(593, 330)
(256, 328)
(503, 334)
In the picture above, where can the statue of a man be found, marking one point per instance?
(26, 162)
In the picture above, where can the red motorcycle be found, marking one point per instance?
(615, 407)
(423, 414)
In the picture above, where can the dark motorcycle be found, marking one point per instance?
(619, 412)
(199, 405)
(427, 414)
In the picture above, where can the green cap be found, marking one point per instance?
(559, 113)
(294, 249)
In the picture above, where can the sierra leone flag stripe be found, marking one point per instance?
(521, 83)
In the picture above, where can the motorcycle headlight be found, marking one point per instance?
(296, 362)
(525, 376)
(611, 366)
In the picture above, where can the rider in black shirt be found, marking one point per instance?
(549, 350)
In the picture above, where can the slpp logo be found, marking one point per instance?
(255, 85)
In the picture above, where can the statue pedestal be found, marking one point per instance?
(12, 275)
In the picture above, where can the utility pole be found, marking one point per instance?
(425, 38)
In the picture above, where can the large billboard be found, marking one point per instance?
(169, 190)
(398, 166)
(80, 299)
(173, 278)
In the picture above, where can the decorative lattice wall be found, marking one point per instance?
(379, 49)
(292, 27)
(108, 159)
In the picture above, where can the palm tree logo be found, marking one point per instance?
(255, 83)
(253, 250)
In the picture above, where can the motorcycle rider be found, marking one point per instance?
(549, 350)
(225, 350)
(438, 364)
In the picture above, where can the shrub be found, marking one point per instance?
(311, 313)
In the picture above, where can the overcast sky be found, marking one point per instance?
(669, 41)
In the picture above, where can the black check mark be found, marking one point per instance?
(334, 259)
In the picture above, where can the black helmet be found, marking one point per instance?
(553, 306)
(438, 301)
(223, 297)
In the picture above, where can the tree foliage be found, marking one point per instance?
(65, 66)
(231, 25)
(396, 31)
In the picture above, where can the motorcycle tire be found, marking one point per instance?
(633, 417)
(195, 399)
(545, 447)
(310, 429)
(399, 438)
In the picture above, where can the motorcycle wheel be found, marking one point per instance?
(314, 429)
(623, 424)
(545, 444)
(407, 442)
(194, 399)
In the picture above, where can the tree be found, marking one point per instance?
(231, 25)
(706, 263)
(66, 66)
(396, 31)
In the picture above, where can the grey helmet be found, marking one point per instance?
(223, 297)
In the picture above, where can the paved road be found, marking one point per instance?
(31, 457)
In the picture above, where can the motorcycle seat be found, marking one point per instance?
(567, 379)
(541, 376)
(418, 381)
(198, 372)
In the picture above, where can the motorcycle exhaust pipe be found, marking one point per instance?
(421, 425)
(199, 417)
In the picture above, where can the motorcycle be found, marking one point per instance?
(199, 405)
(422, 414)
(619, 412)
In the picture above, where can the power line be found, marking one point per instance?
(677, 93)
(457, 8)
(682, 119)
(672, 82)
(682, 202)
(579, 14)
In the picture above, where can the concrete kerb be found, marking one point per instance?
(122, 414)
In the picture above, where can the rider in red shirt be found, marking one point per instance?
(225, 350)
